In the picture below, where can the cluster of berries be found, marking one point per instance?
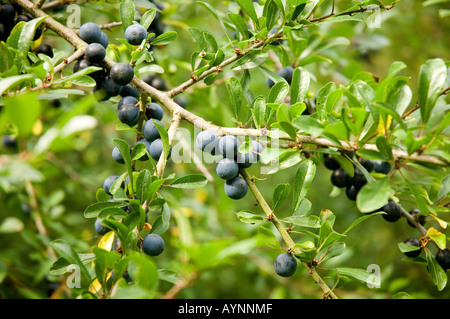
(232, 159)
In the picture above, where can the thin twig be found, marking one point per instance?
(284, 233)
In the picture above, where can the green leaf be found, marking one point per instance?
(147, 18)
(162, 223)
(438, 275)
(405, 248)
(384, 147)
(12, 81)
(93, 210)
(124, 149)
(215, 14)
(248, 7)
(322, 95)
(127, 10)
(439, 238)
(190, 181)
(299, 85)
(235, 94)
(248, 217)
(240, 24)
(198, 36)
(280, 194)
(251, 60)
(278, 92)
(360, 220)
(143, 182)
(62, 249)
(164, 138)
(267, 237)
(23, 111)
(310, 221)
(165, 38)
(10, 225)
(358, 274)
(302, 181)
(104, 263)
(373, 196)
(432, 78)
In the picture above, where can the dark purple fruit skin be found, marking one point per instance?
(368, 164)
(122, 73)
(392, 210)
(236, 188)
(421, 219)
(153, 245)
(382, 167)
(330, 162)
(413, 242)
(339, 178)
(227, 169)
(90, 32)
(358, 179)
(135, 34)
(95, 53)
(285, 265)
(443, 258)
(351, 191)
(154, 111)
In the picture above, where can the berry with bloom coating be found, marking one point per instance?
(135, 34)
(153, 245)
(90, 32)
(285, 265)
(236, 188)
(227, 168)
(122, 73)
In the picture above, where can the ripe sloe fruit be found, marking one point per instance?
(154, 111)
(150, 131)
(127, 100)
(413, 242)
(100, 228)
(155, 81)
(156, 149)
(443, 258)
(285, 265)
(135, 34)
(104, 40)
(368, 164)
(227, 168)
(351, 191)
(339, 178)
(392, 210)
(122, 73)
(129, 90)
(236, 188)
(330, 162)
(90, 32)
(421, 219)
(229, 146)
(110, 87)
(128, 114)
(95, 53)
(257, 149)
(45, 49)
(246, 160)
(207, 141)
(153, 245)
(382, 167)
